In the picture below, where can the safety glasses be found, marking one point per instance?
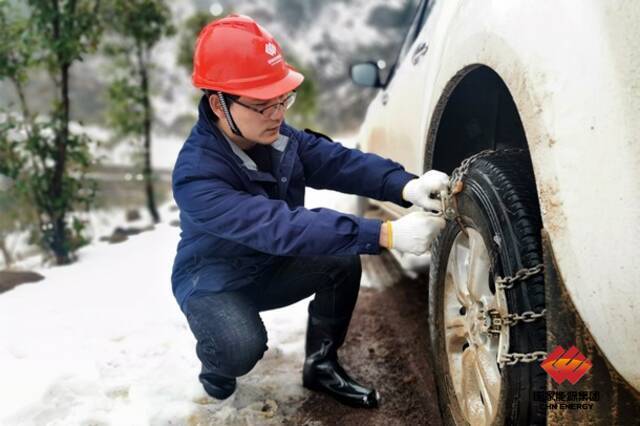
(271, 110)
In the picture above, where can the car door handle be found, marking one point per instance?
(420, 51)
(385, 98)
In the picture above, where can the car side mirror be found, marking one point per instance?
(366, 74)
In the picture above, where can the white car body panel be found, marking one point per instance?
(573, 70)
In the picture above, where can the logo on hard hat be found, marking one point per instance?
(270, 48)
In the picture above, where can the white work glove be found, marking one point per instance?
(414, 232)
(418, 191)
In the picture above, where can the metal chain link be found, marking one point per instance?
(526, 316)
(456, 184)
(497, 321)
(459, 173)
(505, 283)
(516, 357)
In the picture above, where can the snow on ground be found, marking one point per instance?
(102, 342)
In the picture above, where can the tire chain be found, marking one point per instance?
(459, 173)
(505, 283)
(456, 184)
(516, 357)
(513, 319)
(526, 317)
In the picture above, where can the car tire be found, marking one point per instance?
(498, 208)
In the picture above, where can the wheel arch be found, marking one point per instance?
(474, 112)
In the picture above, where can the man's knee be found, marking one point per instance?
(234, 355)
(230, 334)
(246, 355)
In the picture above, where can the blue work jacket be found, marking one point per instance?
(233, 229)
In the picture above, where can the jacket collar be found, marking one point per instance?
(247, 162)
(221, 141)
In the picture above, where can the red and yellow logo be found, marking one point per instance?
(570, 365)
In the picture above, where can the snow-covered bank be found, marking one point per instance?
(102, 341)
(98, 223)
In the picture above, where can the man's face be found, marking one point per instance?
(257, 127)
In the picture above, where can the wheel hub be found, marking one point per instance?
(473, 332)
(475, 324)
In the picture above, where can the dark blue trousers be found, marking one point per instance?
(231, 337)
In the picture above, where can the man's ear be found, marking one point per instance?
(214, 103)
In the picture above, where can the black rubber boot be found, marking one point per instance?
(218, 387)
(322, 372)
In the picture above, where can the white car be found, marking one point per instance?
(534, 109)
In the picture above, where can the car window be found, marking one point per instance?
(413, 31)
(420, 17)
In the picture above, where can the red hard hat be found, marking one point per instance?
(235, 55)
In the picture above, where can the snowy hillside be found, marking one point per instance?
(325, 36)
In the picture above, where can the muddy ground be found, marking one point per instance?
(387, 346)
(11, 279)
